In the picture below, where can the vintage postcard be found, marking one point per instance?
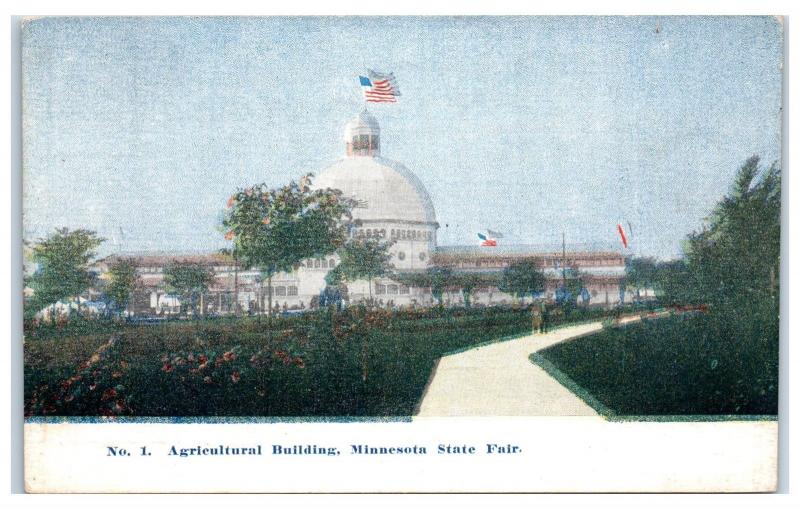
(401, 254)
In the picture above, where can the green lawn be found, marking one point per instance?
(683, 365)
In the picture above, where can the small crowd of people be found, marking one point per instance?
(543, 316)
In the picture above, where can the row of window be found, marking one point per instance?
(552, 263)
(391, 289)
(283, 291)
(380, 233)
(320, 263)
(365, 141)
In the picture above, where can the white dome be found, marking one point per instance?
(386, 190)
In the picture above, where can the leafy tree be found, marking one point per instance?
(575, 283)
(123, 281)
(189, 281)
(641, 273)
(62, 266)
(522, 278)
(275, 229)
(438, 279)
(468, 282)
(734, 260)
(362, 259)
(673, 283)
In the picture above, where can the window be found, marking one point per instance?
(422, 256)
(331, 263)
(404, 289)
(280, 291)
(393, 234)
(369, 233)
(324, 264)
(383, 233)
(291, 291)
(401, 255)
(380, 289)
(392, 289)
(316, 264)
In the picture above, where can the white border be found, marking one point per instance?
(236, 7)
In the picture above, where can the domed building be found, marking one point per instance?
(392, 203)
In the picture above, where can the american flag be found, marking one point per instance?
(379, 87)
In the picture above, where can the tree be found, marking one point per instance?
(674, 285)
(123, 281)
(640, 273)
(362, 259)
(574, 286)
(522, 278)
(189, 281)
(468, 282)
(438, 279)
(734, 261)
(62, 266)
(275, 229)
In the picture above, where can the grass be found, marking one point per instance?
(682, 365)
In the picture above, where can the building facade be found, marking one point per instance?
(392, 205)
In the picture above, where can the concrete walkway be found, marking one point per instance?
(500, 380)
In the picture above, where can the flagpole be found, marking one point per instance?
(564, 259)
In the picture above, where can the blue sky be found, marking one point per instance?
(141, 128)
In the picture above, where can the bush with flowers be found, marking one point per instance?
(357, 362)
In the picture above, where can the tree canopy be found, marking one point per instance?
(123, 279)
(274, 229)
(188, 280)
(361, 259)
(734, 261)
(523, 278)
(62, 265)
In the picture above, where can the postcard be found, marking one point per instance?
(401, 254)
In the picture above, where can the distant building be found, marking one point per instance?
(392, 204)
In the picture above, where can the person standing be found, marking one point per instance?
(536, 313)
(545, 317)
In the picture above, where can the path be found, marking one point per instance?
(500, 380)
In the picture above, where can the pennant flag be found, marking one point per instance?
(494, 234)
(622, 235)
(486, 241)
(379, 87)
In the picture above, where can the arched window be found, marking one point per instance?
(316, 264)
(324, 264)
(331, 263)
